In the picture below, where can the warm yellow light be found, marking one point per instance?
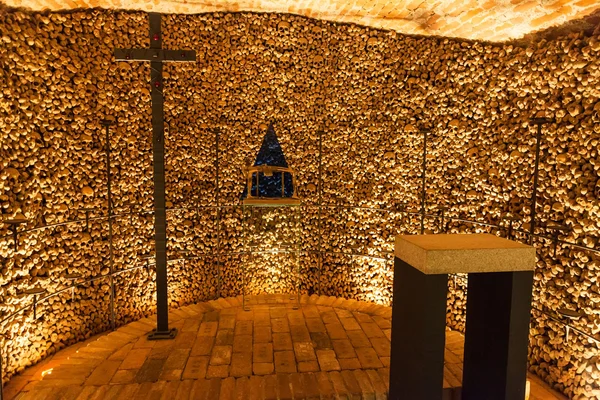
(47, 372)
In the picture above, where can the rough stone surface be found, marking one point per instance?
(451, 254)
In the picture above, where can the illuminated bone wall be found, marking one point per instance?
(359, 94)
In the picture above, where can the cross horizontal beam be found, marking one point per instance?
(158, 55)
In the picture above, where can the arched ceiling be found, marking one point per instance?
(495, 20)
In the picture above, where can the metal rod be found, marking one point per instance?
(535, 182)
(424, 132)
(1, 373)
(298, 241)
(111, 265)
(251, 262)
(257, 184)
(35, 307)
(15, 237)
(245, 241)
(217, 199)
(87, 216)
(320, 194)
(539, 122)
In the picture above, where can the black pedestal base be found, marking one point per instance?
(496, 338)
(418, 334)
(497, 335)
(162, 335)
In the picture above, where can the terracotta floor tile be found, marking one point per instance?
(241, 364)
(263, 368)
(282, 341)
(285, 362)
(196, 367)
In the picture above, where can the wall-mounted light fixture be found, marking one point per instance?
(569, 315)
(14, 223)
(73, 277)
(87, 212)
(511, 219)
(442, 213)
(184, 255)
(35, 292)
(556, 231)
(146, 259)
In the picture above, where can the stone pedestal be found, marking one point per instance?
(498, 309)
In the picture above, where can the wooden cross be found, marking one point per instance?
(156, 55)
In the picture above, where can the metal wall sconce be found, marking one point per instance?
(73, 278)
(571, 316)
(185, 255)
(556, 230)
(401, 209)
(87, 212)
(146, 259)
(442, 213)
(14, 223)
(35, 292)
(511, 219)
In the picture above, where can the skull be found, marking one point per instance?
(285, 59)
(319, 61)
(372, 44)
(283, 28)
(264, 88)
(597, 189)
(302, 43)
(389, 98)
(270, 44)
(317, 32)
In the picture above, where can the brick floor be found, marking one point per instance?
(328, 349)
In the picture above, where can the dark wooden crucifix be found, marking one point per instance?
(156, 55)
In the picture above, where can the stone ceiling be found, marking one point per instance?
(495, 20)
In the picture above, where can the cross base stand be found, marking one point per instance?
(162, 335)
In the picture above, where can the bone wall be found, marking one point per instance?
(360, 94)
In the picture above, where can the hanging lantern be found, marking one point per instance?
(270, 182)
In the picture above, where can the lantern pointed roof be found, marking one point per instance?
(270, 152)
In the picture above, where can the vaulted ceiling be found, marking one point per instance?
(495, 20)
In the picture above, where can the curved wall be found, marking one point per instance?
(362, 93)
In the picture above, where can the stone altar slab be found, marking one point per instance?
(464, 253)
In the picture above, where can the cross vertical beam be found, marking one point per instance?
(156, 55)
(160, 214)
